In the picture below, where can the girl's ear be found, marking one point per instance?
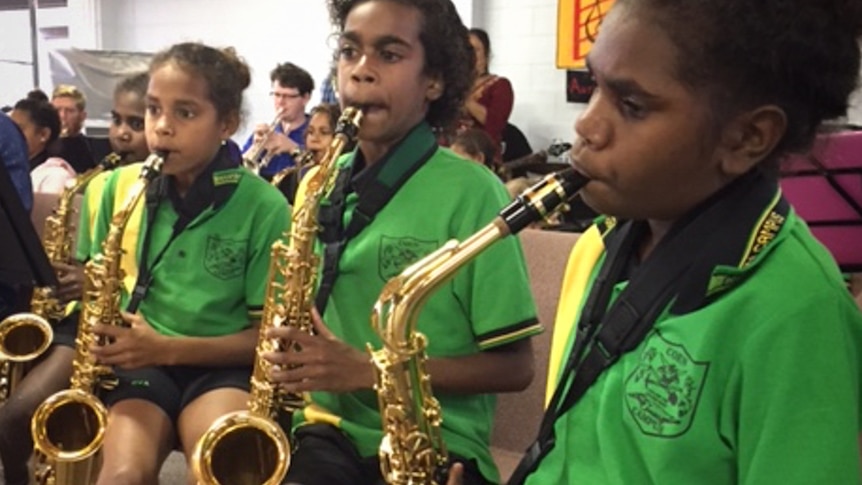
(44, 134)
(751, 137)
(435, 88)
(229, 125)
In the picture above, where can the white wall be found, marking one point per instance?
(523, 38)
(16, 73)
(523, 43)
(266, 32)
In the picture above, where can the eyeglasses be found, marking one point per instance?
(284, 95)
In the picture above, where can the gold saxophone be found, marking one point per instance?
(303, 160)
(25, 336)
(69, 426)
(412, 450)
(289, 300)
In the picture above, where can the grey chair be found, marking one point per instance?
(518, 415)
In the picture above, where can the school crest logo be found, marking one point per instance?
(397, 253)
(662, 393)
(225, 258)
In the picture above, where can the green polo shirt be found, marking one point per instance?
(211, 277)
(758, 385)
(487, 304)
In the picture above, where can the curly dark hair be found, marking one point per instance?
(136, 83)
(483, 39)
(290, 75)
(42, 114)
(330, 110)
(448, 53)
(225, 73)
(38, 95)
(801, 55)
(477, 142)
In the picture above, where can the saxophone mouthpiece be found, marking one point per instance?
(348, 123)
(153, 164)
(542, 199)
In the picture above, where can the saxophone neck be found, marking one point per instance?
(402, 297)
(396, 311)
(151, 169)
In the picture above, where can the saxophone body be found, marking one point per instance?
(304, 159)
(289, 300)
(69, 426)
(25, 336)
(412, 450)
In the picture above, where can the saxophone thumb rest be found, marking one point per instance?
(542, 199)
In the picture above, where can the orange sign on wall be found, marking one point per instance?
(577, 24)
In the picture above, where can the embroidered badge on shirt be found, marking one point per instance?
(397, 253)
(662, 393)
(225, 258)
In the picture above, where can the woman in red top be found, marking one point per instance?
(490, 102)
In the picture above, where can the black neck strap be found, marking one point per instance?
(389, 175)
(681, 260)
(213, 188)
(145, 275)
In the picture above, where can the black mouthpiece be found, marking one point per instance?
(542, 199)
(348, 123)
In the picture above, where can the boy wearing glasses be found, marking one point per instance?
(291, 90)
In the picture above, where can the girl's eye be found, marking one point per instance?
(346, 52)
(136, 124)
(153, 109)
(389, 56)
(185, 113)
(633, 109)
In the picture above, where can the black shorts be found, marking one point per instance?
(323, 455)
(66, 330)
(172, 388)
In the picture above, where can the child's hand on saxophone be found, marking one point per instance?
(324, 363)
(130, 347)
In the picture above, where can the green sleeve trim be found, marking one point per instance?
(255, 313)
(509, 334)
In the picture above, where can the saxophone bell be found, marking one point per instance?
(23, 337)
(242, 437)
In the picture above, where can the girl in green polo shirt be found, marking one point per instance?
(704, 336)
(202, 249)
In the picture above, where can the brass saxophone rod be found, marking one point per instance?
(413, 451)
(303, 160)
(288, 300)
(83, 415)
(413, 286)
